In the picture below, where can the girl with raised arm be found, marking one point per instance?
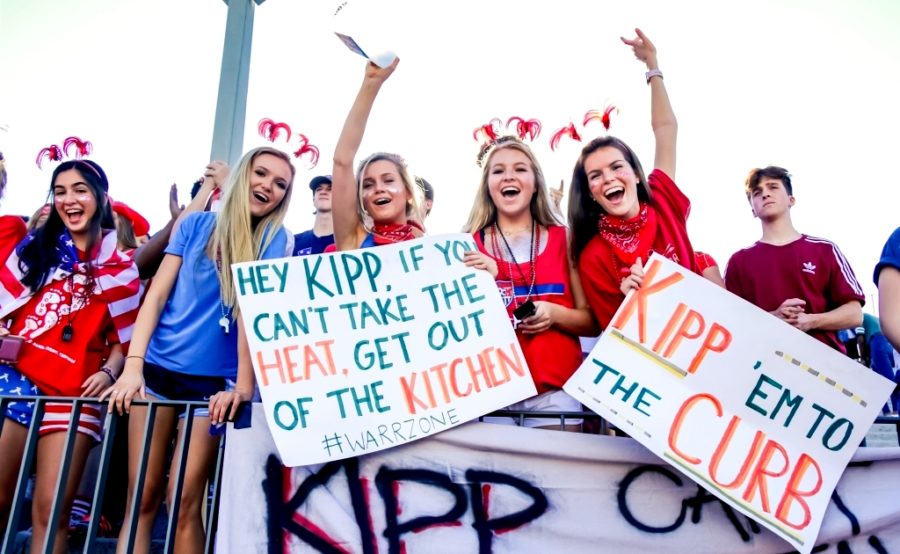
(523, 244)
(380, 203)
(187, 346)
(619, 216)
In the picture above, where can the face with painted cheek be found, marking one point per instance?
(612, 182)
(511, 182)
(384, 194)
(74, 201)
(270, 177)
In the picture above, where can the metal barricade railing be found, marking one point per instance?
(110, 428)
(890, 420)
(519, 416)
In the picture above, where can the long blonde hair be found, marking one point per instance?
(484, 212)
(413, 191)
(234, 235)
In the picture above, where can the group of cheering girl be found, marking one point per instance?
(87, 330)
(572, 278)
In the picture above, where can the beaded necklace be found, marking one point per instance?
(535, 245)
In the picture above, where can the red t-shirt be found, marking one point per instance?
(809, 268)
(12, 231)
(597, 265)
(552, 355)
(56, 366)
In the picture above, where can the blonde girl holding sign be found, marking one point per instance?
(522, 242)
(186, 343)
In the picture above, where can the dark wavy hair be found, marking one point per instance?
(39, 257)
(584, 211)
(769, 172)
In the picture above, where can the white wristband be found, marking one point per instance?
(653, 73)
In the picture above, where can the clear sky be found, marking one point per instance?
(807, 84)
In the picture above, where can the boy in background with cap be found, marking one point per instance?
(315, 240)
(427, 192)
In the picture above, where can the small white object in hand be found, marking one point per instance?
(384, 59)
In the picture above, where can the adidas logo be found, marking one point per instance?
(809, 267)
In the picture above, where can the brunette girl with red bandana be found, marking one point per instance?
(619, 216)
(380, 204)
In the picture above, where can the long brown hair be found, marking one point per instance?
(584, 211)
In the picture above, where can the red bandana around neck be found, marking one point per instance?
(629, 239)
(389, 233)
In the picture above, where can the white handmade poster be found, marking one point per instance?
(360, 351)
(762, 415)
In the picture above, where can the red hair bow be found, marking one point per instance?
(53, 152)
(530, 128)
(82, 147)
(567, 131)
(271, 130)
(488, 131)
(307, 148)
(603, 116)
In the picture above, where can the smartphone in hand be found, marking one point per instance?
(525, 310)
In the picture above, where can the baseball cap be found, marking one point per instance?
(318, 181)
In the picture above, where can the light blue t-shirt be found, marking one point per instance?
(188, 338)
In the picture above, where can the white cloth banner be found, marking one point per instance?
(355, 352)
(503, 489)
(758, 412)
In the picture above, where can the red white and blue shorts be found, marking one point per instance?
(56, 414)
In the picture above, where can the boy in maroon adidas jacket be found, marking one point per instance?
(805, 281)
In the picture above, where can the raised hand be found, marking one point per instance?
(218, 172)
(175, 209)
(643, 49)
(556, 194)
(380, 74)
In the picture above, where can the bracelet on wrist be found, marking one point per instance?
(109, 372)
(138, 357)
(653, 73)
